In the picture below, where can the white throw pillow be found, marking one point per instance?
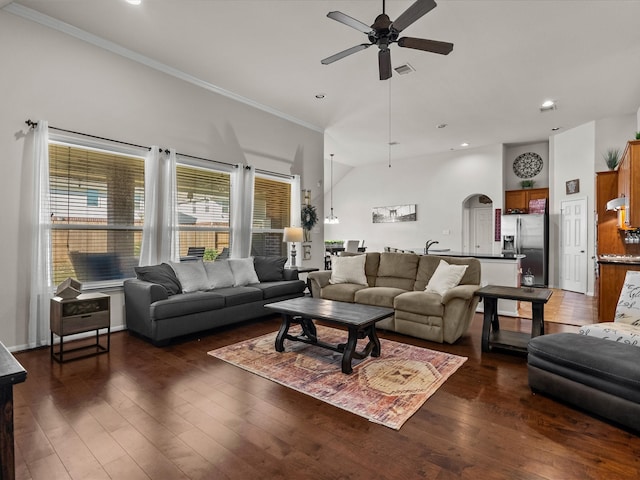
(192, 275)
(348, 270)
(219, 274)
(244, 273)
(445, 277)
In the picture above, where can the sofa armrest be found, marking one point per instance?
(465, 292)
(138, 297)
(291, 274)
(317, 280)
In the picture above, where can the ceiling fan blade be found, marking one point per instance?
(349, 21)
(344, 53)
(413, 13)
(384, 63)
(434, 46)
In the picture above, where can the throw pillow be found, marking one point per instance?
(244, 273)
(269, 269)
(161, 274)
(348, 270)
(192, 275)
(219, 274)
(445, 277)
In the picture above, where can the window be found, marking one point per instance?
(97, 207)
(203, 210)
(271, 213)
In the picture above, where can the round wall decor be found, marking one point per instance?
(527, 165)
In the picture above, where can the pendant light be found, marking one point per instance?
(331, 219)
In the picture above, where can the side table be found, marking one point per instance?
(11, 372)
(86, 312)
(492, 336)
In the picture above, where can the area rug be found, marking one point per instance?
(387, 390)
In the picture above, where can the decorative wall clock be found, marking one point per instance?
(527, 165)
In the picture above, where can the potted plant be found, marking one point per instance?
(527, 183)
(637, 135)
(611, 157)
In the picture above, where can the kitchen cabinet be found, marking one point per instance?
(609, 240)
(629, 184)
(610, 281)
(519, 199)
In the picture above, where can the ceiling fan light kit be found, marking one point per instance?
(383, 32)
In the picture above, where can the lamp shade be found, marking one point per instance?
(292, 234)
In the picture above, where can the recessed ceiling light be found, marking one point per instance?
(442, 125)
(548, 105)
(464, 144)
(320, 96)
(134, 2)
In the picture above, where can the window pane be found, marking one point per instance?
(97, 208)
(271, 211)
(203, 209)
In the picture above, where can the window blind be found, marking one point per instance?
(203, 198)
(271, 213)
(97, 213)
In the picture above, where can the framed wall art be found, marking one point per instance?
(573, 186)
(395, 213)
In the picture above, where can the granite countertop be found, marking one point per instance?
(487, 256)
(619, 259)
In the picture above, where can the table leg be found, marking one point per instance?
(349, 348)
(282, 333)
(373, 339)
(537, 322)
(490, 321)
(309, 329)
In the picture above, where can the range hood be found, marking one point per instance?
(617, 203)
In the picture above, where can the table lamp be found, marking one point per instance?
(292, 235)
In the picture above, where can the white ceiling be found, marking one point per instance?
(509, 56)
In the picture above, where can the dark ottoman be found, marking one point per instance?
(599, 376)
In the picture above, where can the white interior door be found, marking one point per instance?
(481, 240)
(573, 245)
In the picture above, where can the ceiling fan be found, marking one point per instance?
(384, 32)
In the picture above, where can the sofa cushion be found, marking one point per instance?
(161, 274)
(192, 275)
(378, 296)
(219, 274)
(397, 270)
(282, 288)
(185, 304)
(244, 273)
(445, 277)
(428, 264)
(343, 292)
(239, 295)
(614, 331)
(348, 270)
(269, 269)
(423, 303)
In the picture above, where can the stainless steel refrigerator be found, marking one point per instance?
(528, 235)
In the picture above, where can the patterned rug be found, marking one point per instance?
(387, 390)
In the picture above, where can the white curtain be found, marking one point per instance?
(41, 282)
(149, 247)
(159, 234)
(296, 203)
(169, 240)
(242, 183)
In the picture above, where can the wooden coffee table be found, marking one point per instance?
(360, 321)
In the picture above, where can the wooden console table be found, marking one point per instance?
(11, 372)
(492, 336)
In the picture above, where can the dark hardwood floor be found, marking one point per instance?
(143, 412)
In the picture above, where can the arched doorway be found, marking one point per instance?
(477, 229)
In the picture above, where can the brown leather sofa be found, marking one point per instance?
(398, 280)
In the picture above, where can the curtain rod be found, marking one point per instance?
(33, 124)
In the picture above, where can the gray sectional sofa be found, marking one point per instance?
(159, 309)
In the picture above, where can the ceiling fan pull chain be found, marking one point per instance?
(389, 123)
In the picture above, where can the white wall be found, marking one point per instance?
(51, 76)
(612, 133)
(438, 185)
